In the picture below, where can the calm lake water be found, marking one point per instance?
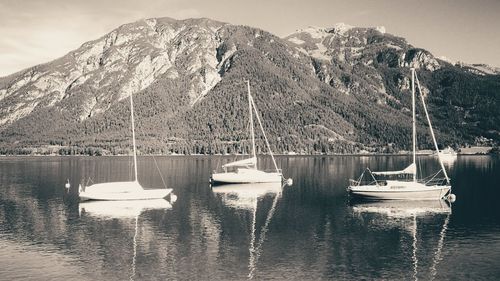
(307, 231)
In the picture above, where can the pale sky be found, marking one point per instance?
(38, 31)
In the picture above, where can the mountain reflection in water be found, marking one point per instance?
(308, 231)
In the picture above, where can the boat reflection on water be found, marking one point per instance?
(449, 162)
(403, 214)
(123, 210)
(447, 155)
(402, 208)
(246, 197)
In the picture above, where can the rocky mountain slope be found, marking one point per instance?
(339, 89)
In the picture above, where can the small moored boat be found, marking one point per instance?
(245, 171)
(406, 186)
(128, 190)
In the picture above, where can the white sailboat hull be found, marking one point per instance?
(246, 176)
(119, 191)
(397, 190)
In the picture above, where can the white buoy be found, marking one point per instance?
(452, 197)
(173, 198)
(289, 181)
(67, 185)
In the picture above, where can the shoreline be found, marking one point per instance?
(232, 155)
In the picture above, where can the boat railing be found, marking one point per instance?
(435, 181)
(361, 181)
(354, 182)
(366, 182)
(273, 171)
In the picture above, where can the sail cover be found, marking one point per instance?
(242, 163)
(412, 169)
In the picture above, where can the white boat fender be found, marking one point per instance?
(80, 189)
(289, 181)
(171, 197)
(67, 185)
(452, 197)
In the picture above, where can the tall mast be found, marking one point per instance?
(252, 133)
(414, 126)
(264, 134)
(432, 132)
(133, 136)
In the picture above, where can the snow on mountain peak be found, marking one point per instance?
(314, 31)
(380, 29)
(151, 22)
(321, 32)
(342, 28)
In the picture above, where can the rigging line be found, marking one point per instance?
(432, 131)
(130, 157)
(159, 172)
(134, 145)
(265, 228)
(419, 167)
(252, 133)
(264, 134)
(437, 255)
(130, 168)
(435, 175)
(258, 249)
(373, 177)
(133, 137)
(361, 177)
(154, 159)
(218, 161)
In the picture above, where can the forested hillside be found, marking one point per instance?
(336, 90)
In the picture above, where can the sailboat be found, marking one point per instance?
(245, 171)
(127, 190)
(432, 188)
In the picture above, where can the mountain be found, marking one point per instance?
(319, 90)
